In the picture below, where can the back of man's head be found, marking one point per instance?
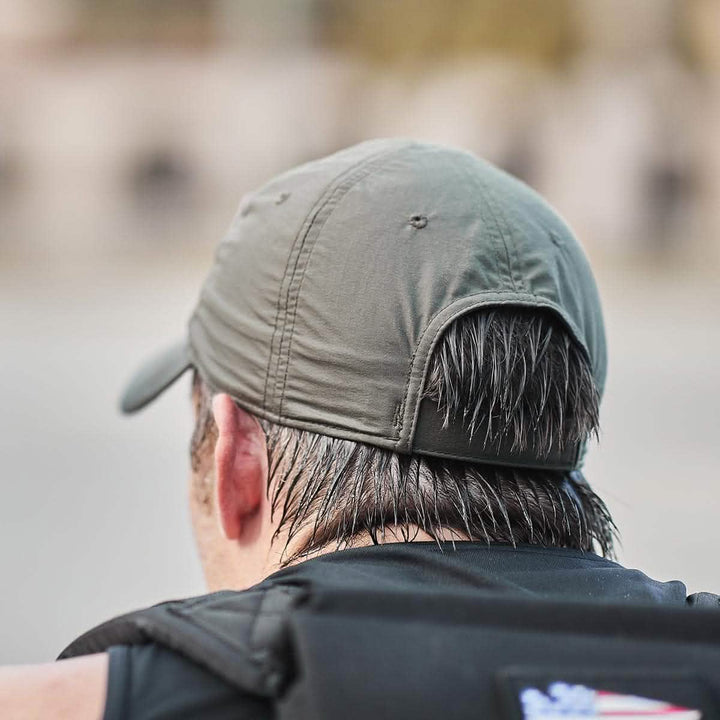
(420, 338)
(514, 365)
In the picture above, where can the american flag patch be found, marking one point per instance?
(578, 702)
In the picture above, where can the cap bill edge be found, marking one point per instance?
(155, 376)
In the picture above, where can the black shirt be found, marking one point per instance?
(149, 681)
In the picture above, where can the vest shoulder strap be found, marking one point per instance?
(239, 636)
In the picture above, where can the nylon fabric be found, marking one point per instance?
(335, 281)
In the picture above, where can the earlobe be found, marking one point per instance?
(240, 466)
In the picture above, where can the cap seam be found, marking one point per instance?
(266, 414)
(295, 250)
(315, 426)
(286, 279)
(487, 216)
(362, 171)
(510, 246)
(493, 211)
(562, 250)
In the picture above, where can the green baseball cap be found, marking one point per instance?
(336, 279)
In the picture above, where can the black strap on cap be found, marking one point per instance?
(455, 443)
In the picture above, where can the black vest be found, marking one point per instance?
(412, 631)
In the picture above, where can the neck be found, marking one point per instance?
(390, 534)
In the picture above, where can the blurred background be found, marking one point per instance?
(130, 129)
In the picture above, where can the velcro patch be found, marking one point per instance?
(563, 694)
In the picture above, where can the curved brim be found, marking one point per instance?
(155, 376)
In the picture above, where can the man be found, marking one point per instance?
(397, 361)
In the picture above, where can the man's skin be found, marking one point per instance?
(63, 690)
(234, 534)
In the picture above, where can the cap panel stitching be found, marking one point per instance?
(562, 249)
(284, 290)
(328, 428)
(276, 328)
(494, 214)
(510, 246)
(496, 235)
(278, 331)
(340, 184)
(324, 427)
(363, 170)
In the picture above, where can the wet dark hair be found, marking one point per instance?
(519, 368)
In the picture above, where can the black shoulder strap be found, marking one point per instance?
(239, 636)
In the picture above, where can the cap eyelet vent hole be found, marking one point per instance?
(418, 221)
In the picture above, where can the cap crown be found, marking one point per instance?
(336, 279)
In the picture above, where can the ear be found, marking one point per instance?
(241, 467)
